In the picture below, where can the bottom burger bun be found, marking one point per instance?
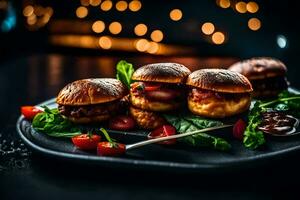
(150, 105)
(146, 119)
(214, 107)
(86, 120)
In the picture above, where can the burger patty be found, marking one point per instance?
(89, 110)
(273, 83)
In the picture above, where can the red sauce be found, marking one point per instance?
(278, 123)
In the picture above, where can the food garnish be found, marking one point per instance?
(239, 129)
(86, 141)
(54, 124)
(163, 131)
(124, 72)
(189, 123)
(30, 112)
(110, 148)
(122, 123)
(286, 101)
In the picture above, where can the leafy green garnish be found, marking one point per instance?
(124, 72)
(189, 123)
(108, 138)
(286, 101)
(54, 124)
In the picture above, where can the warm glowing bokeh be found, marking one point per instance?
(254, 24)
(85, 2)
(241, 7)
(28, 10)
(81, 12)
(115, 28)
(252, 7)
(176, 14)
(157, 36)
(94, 2)
(121, 5)
(98, 26)
(153, 47)
(135, 5)
(106, 5)
(208, 28)
(218, 38)
(105, 42)
(142, 45)
(223, 3)
(140, 29)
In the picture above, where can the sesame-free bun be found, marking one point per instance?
(259, 68)
(162, 72)
(219, 80)
(91, 91)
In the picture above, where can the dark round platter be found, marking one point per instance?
(158, 157)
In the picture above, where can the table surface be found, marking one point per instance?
(27, 175)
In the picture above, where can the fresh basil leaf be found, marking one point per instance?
(124, 72)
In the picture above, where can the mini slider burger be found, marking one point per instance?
(218, 93)
(267, 75)
(158, 88)
(91, 100)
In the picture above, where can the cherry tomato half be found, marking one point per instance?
(122, 123)
(151, 86)
(86, 142)
(109, 149)
(30, 112)
(239, 129)
(163, 131)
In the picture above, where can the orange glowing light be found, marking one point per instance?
(31, 20)
(176, 14)
(106, 5)
(84, 2)
(140, 29)
(142, 45)
(157, 36)
(115, 28)
(252, 7)
(95, 2)
(153, 48)
(135, 5)
(81, 12)
(218, 38)
(98, 26)
(223, 3)
(28, 10)
(105, 42)
(208, 28)
(241, 7)
(254, 24)
(121, 6)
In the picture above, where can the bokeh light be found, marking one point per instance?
(176, 14)
(140, 29)
(135, 5)
(153, 47)
(218, 38)
(254, 24)
(106, 5)
(105, 42)
(157, 36)
(208, 28)
(252, 7)
(223, 3)
(142, 45)
(81, 12)
(85, 2)
(282, 41)
(121, 5)
(115, 28)
(94, 2)
(241, 7)
(98, 26)
(28, 10)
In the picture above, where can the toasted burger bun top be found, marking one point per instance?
(91, 91)
(219, 80)
(162, 72)
(259, 68)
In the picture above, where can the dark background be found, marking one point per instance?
(33, 68)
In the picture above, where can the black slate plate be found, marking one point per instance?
(159, 157)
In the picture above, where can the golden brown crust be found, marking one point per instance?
(146, 119)
(219, 80)
(91, 91)
(162, 72)
(216, 108)
(259, 68)
(143, 103)
(87, 120)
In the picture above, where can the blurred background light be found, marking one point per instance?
(176, 14)
(281, 41)
(218, 38)
(140, 29)
(254, 24)
(241, 7)
(28, 10)
(98, 26)
(252, 7)
(115, 28)
(135, 5)
(81, 12)
(105, 42)
(106, 5)
(223, 3)
(121, 6)
(94, 2)
(208, 28)
(157, 36)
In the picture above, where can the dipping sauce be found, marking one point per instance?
(278, 123)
